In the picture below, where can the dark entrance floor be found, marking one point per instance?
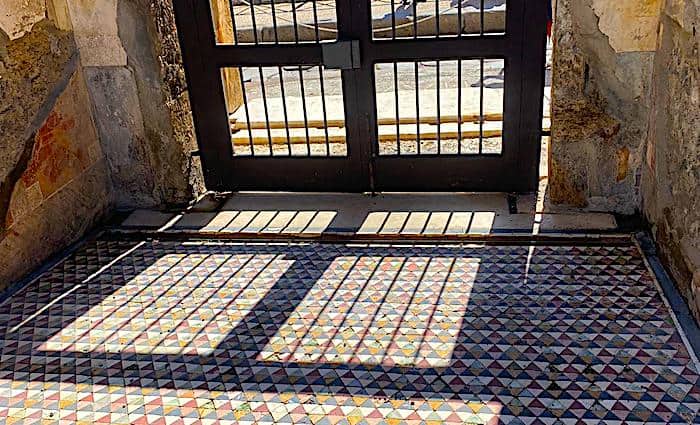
(130, 332)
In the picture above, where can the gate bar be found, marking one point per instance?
(284, 110)
(247, 111)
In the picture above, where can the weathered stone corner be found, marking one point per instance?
(579, 132)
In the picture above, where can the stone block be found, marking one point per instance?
(147, 219)
(122, 135)
(671, 176)
(194, 221)
(149, 37)
(96, 32)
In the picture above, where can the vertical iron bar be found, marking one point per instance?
(303, 107)
(323, 103)
(233, 22)
(459, 15)
(481, 104)
(247, 112)
(481, 18)
(459, 106)
(393, 19)
(396, 104)
(267, 115)
(274, 22)
(255, 26)
(415, 69)
(294, 19)
(284, 110)
(318, 35)
(415, 19)
(437, 18)
(439, 134)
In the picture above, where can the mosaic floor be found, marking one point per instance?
(190, 332)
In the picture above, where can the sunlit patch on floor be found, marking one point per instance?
(181, 304)
(391, 311)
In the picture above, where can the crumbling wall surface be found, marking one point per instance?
(172, 75)
(135, 79)
(149, 35)
(34, 68)
(53, 181)
(602, 65)
(671, 171)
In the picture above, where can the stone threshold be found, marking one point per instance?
(459, 215)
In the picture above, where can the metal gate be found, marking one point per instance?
(377, 99)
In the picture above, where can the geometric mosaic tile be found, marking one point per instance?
(225, 332)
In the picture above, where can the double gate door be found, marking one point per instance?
(366, 95)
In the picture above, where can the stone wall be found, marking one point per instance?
(601, 85)
(94, 116)
(671, 170)
(130, 54)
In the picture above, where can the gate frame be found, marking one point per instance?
(522, 47)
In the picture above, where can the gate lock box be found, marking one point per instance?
(344, 54)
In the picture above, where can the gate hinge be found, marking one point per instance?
(343, 54)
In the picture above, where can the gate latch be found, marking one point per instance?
(343, 54)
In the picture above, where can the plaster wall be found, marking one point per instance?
(601, 84)
(670, 188)
(54, 183)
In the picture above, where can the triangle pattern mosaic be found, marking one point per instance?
(223, 332)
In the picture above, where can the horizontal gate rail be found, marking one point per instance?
(266, 55)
